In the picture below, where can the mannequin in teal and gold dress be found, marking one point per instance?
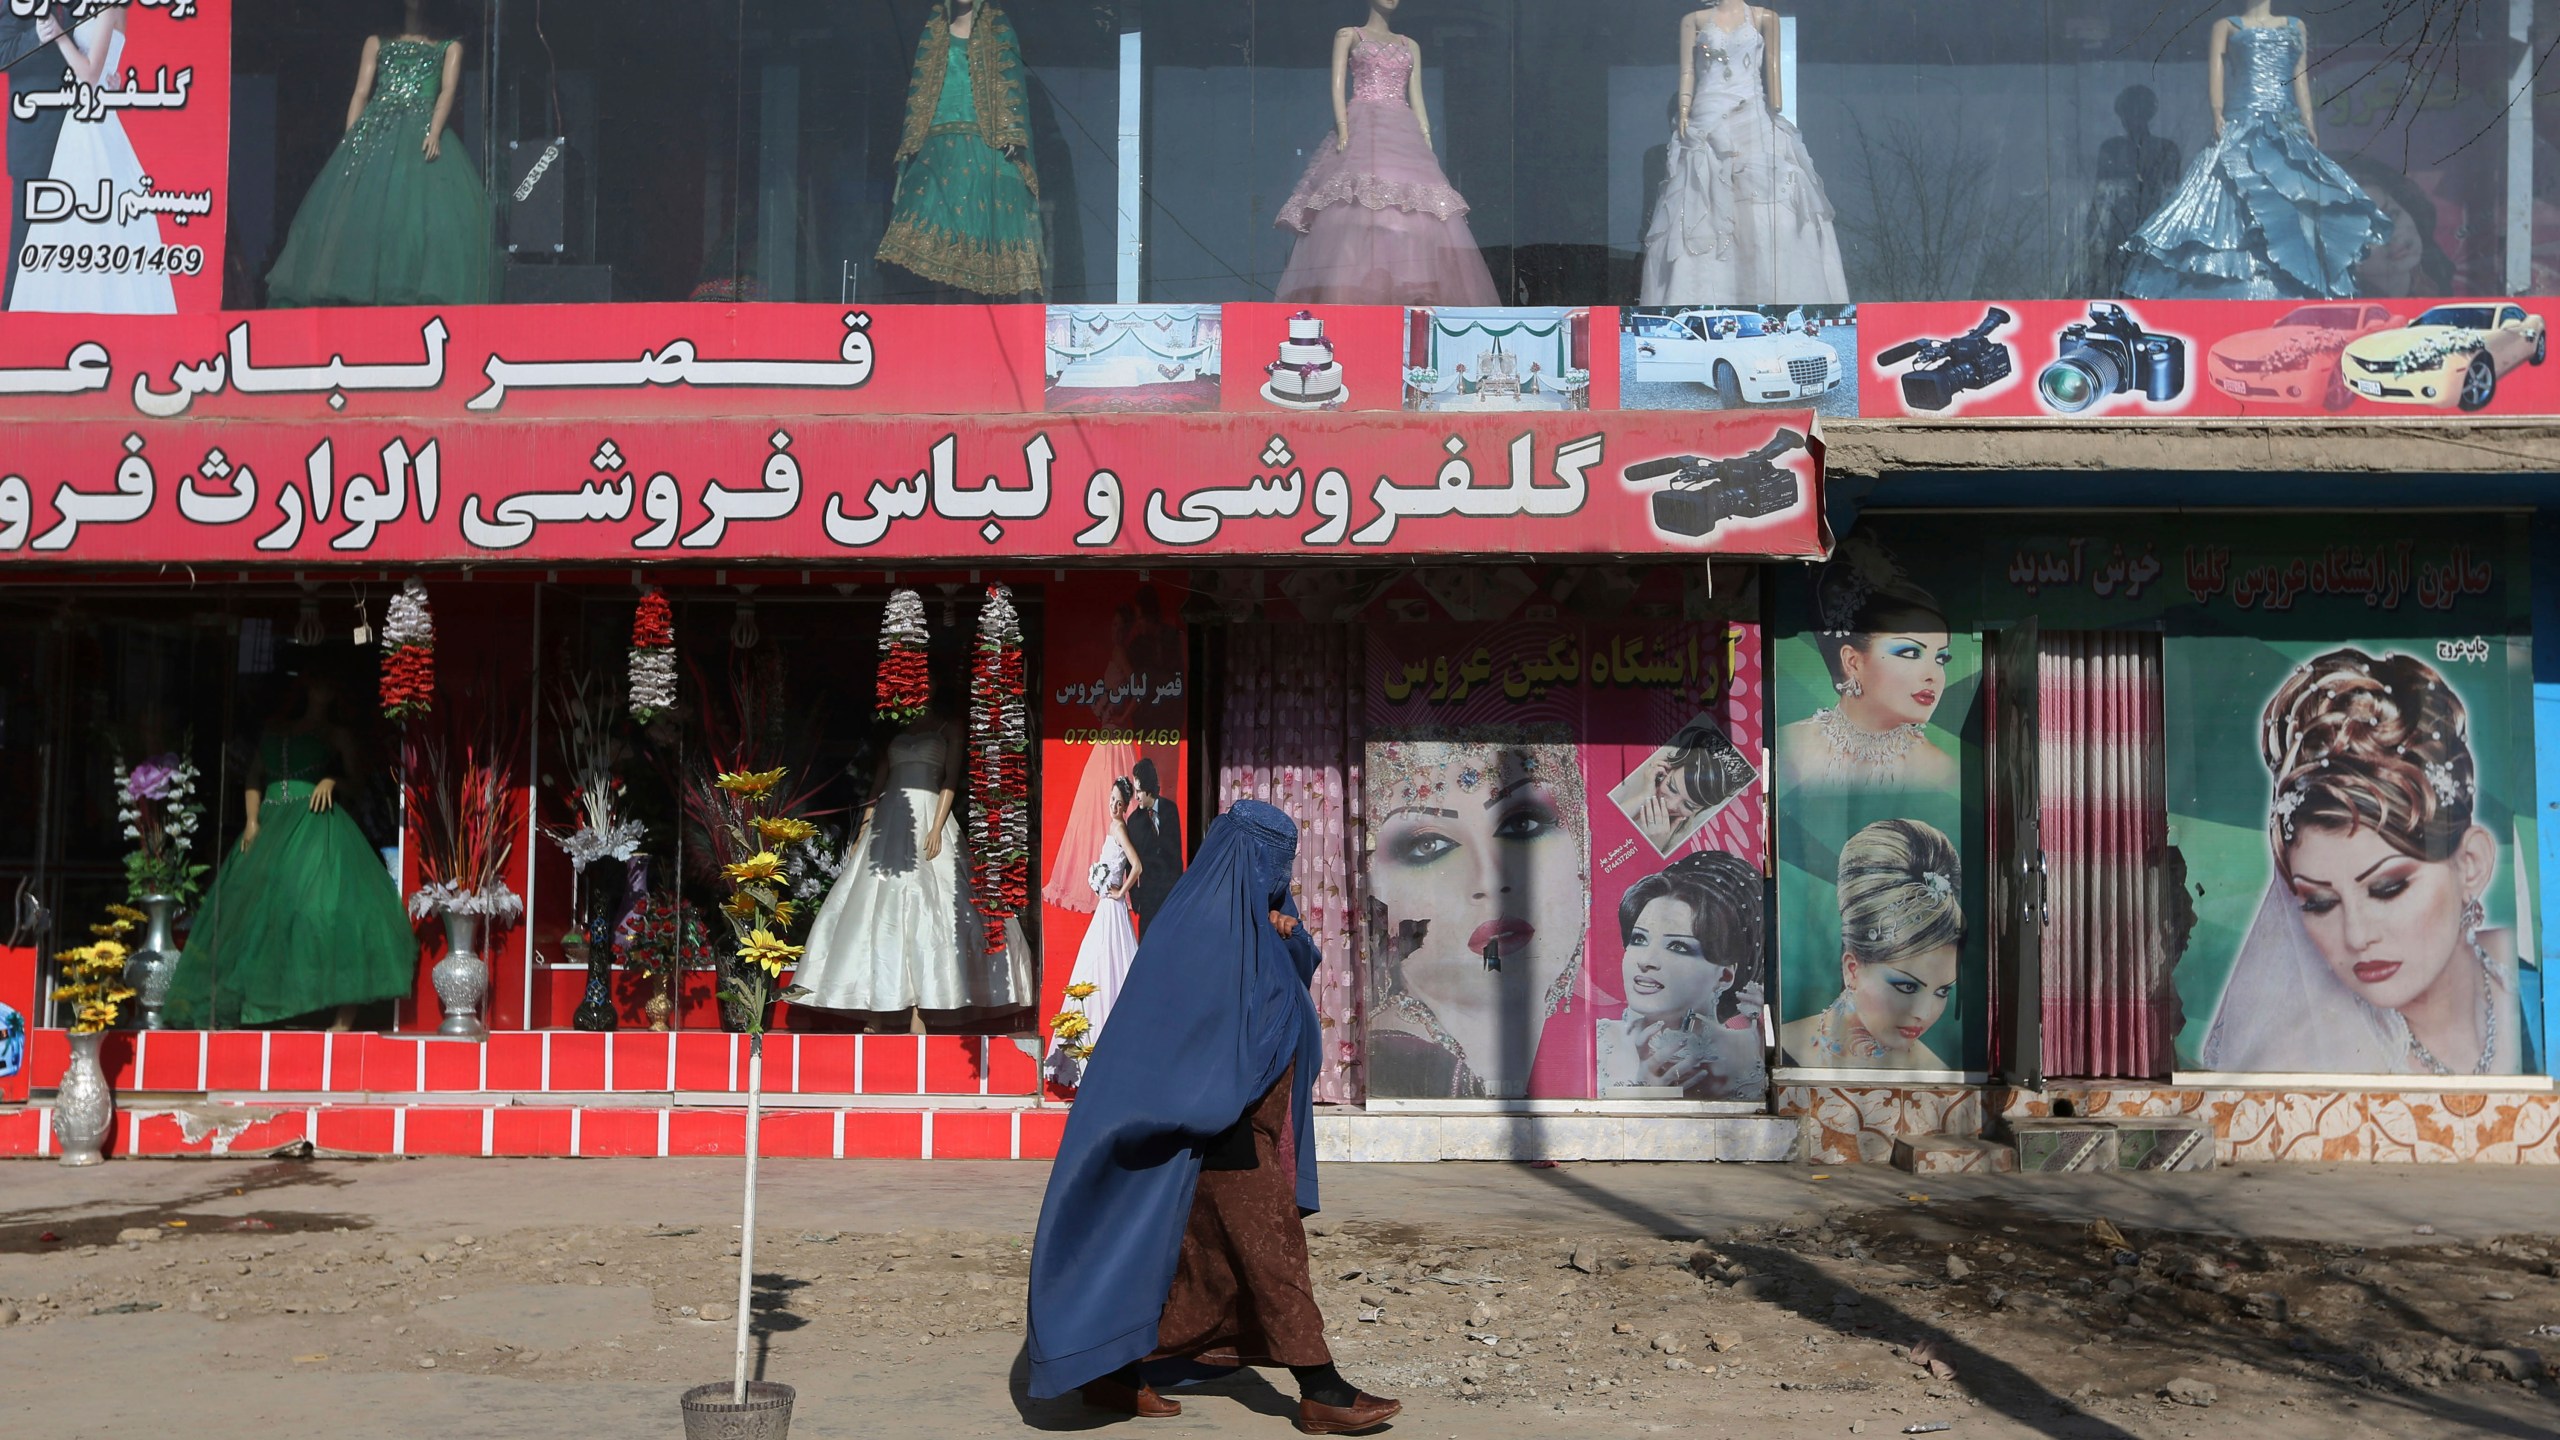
(397, 216)
(304, 917)
(968, 206)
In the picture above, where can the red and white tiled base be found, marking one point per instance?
(553, 1093)
(522, 1062)
(613, 1130)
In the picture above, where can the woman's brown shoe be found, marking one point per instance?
(1365, 1412)
(1143, 1402)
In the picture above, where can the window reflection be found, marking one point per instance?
(742, 150)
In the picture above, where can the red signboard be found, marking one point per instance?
(2159, 359)
(843, 489)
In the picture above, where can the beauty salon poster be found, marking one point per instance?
(2309, 670)
(1878, 895)
(1522, 780)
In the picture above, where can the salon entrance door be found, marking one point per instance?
(2016, 890)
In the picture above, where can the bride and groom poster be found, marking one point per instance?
(117, 120)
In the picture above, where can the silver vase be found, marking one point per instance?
(84, 1109)
(155, 960)
(461, 977)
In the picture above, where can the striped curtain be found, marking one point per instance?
(2108, 1005)
(1290, 735)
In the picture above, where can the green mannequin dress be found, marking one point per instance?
(305, 920)
(968, 206)
(384, 225)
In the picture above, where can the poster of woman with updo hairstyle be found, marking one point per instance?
(1881, 956)
(2383, 941)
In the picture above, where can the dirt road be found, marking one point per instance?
(551, 1298)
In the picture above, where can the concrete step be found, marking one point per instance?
(2054, 1146)
(1398, 1136)
(1952, 1155)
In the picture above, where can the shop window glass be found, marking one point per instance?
(749, 149)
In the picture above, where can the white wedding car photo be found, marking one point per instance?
(1743, 356)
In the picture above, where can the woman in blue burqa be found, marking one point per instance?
(1173, 1227)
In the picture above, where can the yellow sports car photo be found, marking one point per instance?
(2451, 355)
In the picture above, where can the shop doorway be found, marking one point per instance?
(2087, 903)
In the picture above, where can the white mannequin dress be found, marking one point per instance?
(1110, 943)
(89, 152)
(1743, 219)
(898, 930)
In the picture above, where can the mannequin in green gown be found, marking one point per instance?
(303, 917)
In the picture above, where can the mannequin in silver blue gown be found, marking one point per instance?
(2262, 213)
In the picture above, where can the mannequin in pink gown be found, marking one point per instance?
(1377, 221)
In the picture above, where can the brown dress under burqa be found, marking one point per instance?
(1242, 1293)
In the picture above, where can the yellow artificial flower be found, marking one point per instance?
(763, 865)
(763, 949)
(751, 782)
(1071, 1025)
(741, 906)
(127, 914)
(784, 912)
(1082, 989)
(781, 830)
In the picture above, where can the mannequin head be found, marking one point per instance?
(2136, 106)
(1382, 12)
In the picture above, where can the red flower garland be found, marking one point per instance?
(999, 768)
(905, 685)
(652, 686)
(408, 681)
(408, 654)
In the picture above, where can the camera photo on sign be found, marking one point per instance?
(1701, 493)
(1682, 784)
(2110, 354)
(1942, 370)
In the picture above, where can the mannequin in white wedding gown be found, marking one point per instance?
(899, 931)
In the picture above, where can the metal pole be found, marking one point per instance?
(747, 1231)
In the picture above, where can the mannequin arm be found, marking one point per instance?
(452, 76)
(1688, 74)
(1341, 86)
(950, 790)
(364, 79)
(1774, 72)
(255, 797)
(2213, 72)
(1413, 94)
(2302, 83)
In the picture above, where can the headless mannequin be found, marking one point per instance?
(1724, 18)
(932, 721)
(317, 718)
(414, 28)
(2260, 15)
(1380, 30)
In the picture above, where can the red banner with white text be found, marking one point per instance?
(848, 489)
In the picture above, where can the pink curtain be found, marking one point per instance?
(2108, 1004)
(1290, 736)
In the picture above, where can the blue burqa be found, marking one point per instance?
(1214, 1011)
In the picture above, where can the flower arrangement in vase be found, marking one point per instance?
(93, 985)
(583, 713)
(662, 938)
(157, 806)
(465, 805)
